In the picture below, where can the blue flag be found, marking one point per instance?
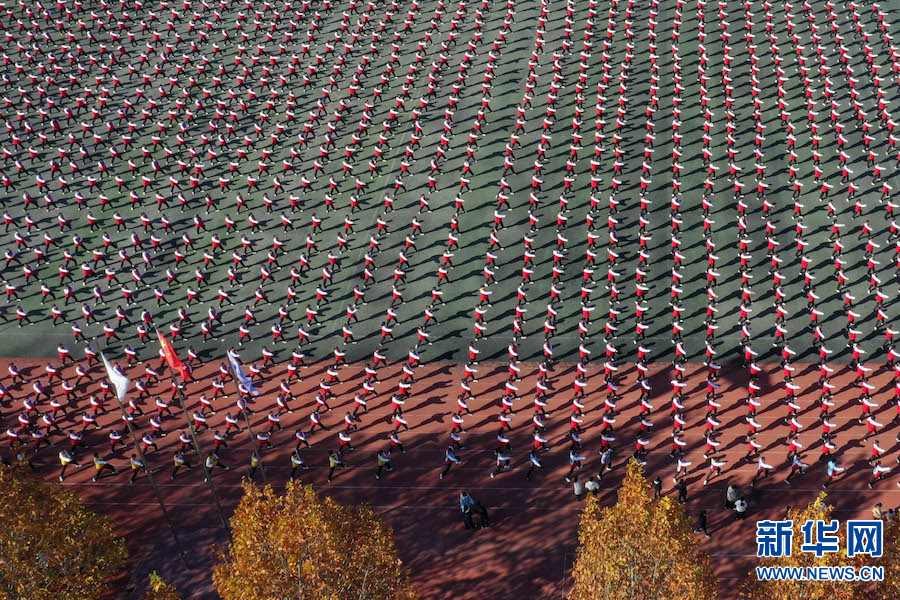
(239, 373)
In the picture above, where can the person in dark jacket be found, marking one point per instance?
(657, 488)
(682, 491)
(484, 519)
(701, 524)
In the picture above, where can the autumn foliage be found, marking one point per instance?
(53, 547)
(160, 590)
(640, 548)
(889, 589)
(303, 546)
(808, 590)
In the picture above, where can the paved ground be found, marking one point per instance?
(529, 550)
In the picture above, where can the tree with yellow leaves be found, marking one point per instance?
(641, 548)
(819, 509)
(160, 590)
(53, 546)
(303, 546)
(889, 588)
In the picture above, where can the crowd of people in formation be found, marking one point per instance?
(213, 115)
(826, 71)
(252, 117)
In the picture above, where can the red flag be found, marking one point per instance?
(172, 358)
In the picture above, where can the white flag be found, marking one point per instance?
(119, 381)
(239, 373)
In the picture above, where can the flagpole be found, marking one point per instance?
(209, 481)
(253, 444)
(234, 366)
(149, 471)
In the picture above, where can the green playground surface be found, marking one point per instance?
(453, 332)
